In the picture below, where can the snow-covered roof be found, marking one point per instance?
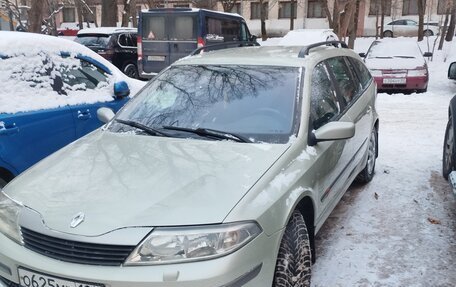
(303, 37)
(106, 30)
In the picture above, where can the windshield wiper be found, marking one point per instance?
(144, 128)
(211, 133)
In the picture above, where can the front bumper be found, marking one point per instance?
(252, 265)
(411, 84)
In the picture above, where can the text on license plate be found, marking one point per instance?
(33, 279)
(394, 81)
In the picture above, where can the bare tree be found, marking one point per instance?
(421, 11)
(353, 26)
(36, 16)
(108, 13)
(445, 24)
(451, 26)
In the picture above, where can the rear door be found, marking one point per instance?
(167, 37)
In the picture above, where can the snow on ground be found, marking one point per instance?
(400, 229)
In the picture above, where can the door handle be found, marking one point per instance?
(9, 131)
(369, 110)
(85, 115)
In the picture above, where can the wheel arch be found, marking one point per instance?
(307, 209)
(6, 174)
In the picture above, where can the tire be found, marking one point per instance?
(294, 261)
(131, 71)
(388, 34)
(368, 171)
(422, 91)
(448, 162)
(428, 33)
(2, 183)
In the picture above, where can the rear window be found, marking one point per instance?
(169, 27)
(93, 40)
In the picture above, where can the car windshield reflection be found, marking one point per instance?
(251, 102)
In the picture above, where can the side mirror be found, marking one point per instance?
(362, 55)
(427, 54)
(121, 90)
(105, 115)
(452, 71)
(253, 38)
(333, 131)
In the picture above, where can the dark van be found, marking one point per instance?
(168, 34)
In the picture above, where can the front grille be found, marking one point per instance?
(7, 283)
(74, 251)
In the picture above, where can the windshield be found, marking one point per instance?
(257, 103)
(93, 40)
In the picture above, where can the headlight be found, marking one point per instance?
(9, 214)
(376, 73)
(184, 244)
(417, 73)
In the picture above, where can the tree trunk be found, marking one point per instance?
(108, 13)
(450, 32)
(79, 9)
(11, 24)
(354, 27)
(328, 14)
(421, 11)
(126, 13)
(444, 28)
(382, 20)
(36, 16)
(264, 35)
(292, 15)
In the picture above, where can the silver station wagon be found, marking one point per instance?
(218, 173)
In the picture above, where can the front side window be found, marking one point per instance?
(83, 77)
(324, 105)
(257, 102)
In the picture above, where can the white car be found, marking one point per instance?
(408, 28)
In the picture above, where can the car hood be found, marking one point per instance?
(121, 180)
(395, 63)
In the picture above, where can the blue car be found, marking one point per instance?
(50, 92)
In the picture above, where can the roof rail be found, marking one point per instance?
(230, 44)
(305, 50)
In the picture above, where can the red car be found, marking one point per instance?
(398, 65)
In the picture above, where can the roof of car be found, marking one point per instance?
(263, 55)
(106, 30)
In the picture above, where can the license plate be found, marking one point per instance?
(394, 81)
(33, 279)
(156, 58)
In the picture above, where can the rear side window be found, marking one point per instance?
(363, 73)
(127, 40)
(223, 30)
(154, 28)
(347, 83)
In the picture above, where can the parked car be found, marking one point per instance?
(71, 28)
(218, 173)
(408, 28)
(449, 148)
(51, 89)
(167, 35)
(117, 45)
(398, 65)
(303, 37)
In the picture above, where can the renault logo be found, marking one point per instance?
(77, 219)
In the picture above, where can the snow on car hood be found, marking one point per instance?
(124, 180)
(25, 62)
(394, 63)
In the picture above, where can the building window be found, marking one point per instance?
(410, 7)
(69, 15)
(442, 6)
(236, 8)
(285, 10)
(255, 12)
(376, 7)
(315, 9)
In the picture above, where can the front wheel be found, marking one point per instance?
(428, 33)
(448, 164)
(294, 259)
(367, 173)
(388, 34)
